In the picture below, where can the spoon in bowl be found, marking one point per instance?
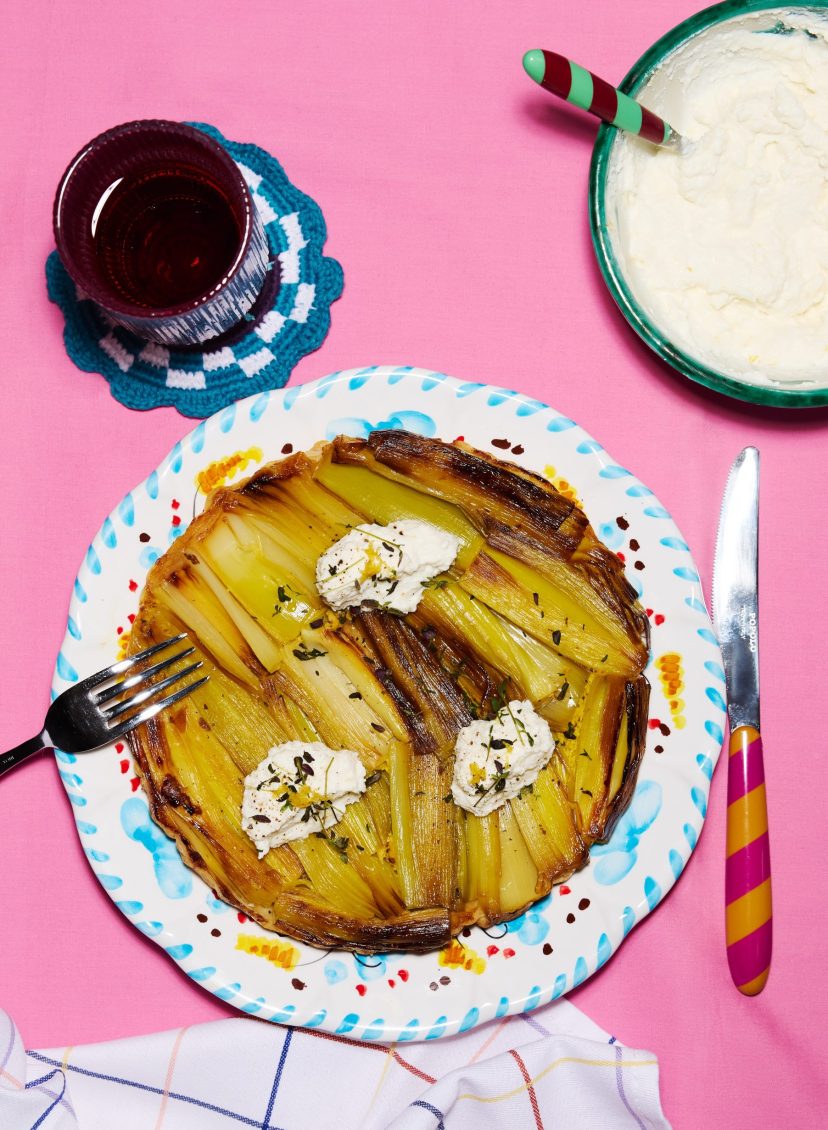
(561, 76)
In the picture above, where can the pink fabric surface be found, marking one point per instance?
(455, 196)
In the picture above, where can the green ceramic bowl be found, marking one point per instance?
(611, 268)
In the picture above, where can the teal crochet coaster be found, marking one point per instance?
(289, 319)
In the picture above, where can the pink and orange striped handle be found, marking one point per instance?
(749, 915)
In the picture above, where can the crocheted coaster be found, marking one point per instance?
(289, 318)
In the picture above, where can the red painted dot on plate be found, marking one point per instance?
(649, 611)
(241, 917)
(176, 520)
(391, 982)
(133, 586)
(659, 619)
(654, 723)
(134, 783)
(120, 631)
(620, 557)
(131, 617)
(492, 950)
(361, 989)
(119, 747)
(175, 504)
(509, 952)
(459, 439)
(402, 974)
(124, 766)
(565, 890)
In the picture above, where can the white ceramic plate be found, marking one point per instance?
(564, 938)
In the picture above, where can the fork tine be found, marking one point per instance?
(117, 732)
(141, 677)
(124, 664)
(142, 696)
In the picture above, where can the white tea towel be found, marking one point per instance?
(551, 1069)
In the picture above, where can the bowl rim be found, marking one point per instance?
(608, 264)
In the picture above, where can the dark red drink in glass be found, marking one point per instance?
(154, 222)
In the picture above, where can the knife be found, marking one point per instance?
(748, 912)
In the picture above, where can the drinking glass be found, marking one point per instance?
(155, 223)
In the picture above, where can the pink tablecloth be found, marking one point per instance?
(455, 196)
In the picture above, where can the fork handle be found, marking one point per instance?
(20, 752)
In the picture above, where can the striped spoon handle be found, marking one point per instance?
(749, 917)
(561, 76)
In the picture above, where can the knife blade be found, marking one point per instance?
(748, 909)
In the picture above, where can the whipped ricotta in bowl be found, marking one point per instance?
(723, 242)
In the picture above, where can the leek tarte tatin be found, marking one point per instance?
(534, 608)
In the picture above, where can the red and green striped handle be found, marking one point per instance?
(749, 915)
(561, 76)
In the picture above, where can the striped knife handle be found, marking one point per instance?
(582, 88)
(748, 911)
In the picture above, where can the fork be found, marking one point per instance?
(80, 719)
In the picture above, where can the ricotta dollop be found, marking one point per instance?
(298, 789)
(724, 241)
(386, 566)
(494, 760)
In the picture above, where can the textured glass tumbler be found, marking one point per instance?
(155, 224)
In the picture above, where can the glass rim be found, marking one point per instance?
(611, 271)
(121, 307)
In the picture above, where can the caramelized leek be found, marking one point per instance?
(333, 876)
(597, 586)
(263, 585)
(434, 839)
(534, 605)
(456, 613)
(518, 873)
(483, 870)
(401, 846)
(263, 646)
(204, 617)
(544, 816)
(383, 500)
(339, 714)
(488, 492)
(436, 709)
